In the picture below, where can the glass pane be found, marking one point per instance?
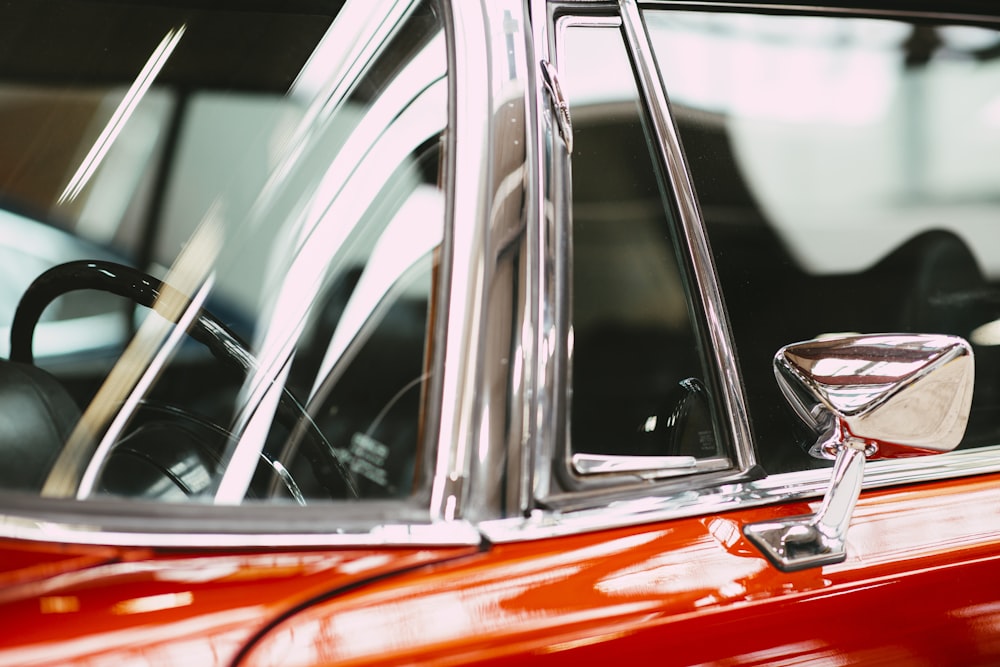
(847, 171)
(278, 169)
(637, 379)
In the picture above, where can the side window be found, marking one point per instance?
(638, 381)
(846, 168)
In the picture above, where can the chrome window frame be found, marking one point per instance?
(491, 387)
(692, 225)
(553, 449)
(625, 506)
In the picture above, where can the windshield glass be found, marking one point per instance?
(220, 233)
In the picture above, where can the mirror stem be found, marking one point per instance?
(826, 532)
(834, 515)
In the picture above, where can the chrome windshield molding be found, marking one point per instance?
(466, 101)
(644, 508)
(441, 534)
(538, 412)
(503, 376)
(723, 357)
(488, 68)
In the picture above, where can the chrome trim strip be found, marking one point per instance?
(595, 464)
(469, 94)
(528, 384)
(452, 533)
(548, 314)
(489, 75)
(693, 227)
(797, 486)
(504, 376)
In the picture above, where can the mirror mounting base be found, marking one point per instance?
(801, 542)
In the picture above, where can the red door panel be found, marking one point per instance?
(139, 607)
(921, 586)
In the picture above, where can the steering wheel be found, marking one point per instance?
(223, 343)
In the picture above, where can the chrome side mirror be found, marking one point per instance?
(869, 397)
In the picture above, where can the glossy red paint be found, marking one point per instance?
(25, 562)
(919, 588)
(83, 605)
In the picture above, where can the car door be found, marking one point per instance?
(875, 221)
(624, 211)
(717, 181)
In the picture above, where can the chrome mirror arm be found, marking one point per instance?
(834, 515)
(821, 539)
(883, 396)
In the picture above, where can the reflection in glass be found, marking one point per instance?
(846, 169)
(637, 387)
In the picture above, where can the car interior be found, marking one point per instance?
(201, 142)
(921, 270)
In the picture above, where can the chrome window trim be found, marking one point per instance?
(556, 17)
(486, 406)
(549, 311)
(722, 356)
(547, 237)
(60, 523)
(644, 508)
(126, 523)
(465, 261)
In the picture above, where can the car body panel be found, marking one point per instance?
(96, 605)
(918, 587)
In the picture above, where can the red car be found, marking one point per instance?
(499, 332)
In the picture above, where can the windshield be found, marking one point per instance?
(220, 235)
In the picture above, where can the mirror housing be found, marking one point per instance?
(868, 397)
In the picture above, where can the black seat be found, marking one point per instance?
(36, 417)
